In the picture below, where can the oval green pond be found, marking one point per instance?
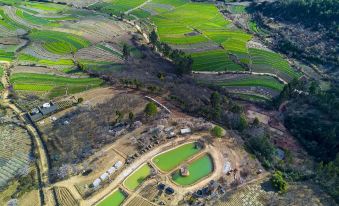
(171, 159)
(137, 177)
(115, 199)
(198, 169)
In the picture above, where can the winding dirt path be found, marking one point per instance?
(42, 153)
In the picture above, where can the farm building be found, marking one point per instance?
(118, 164)
(104, 176)
(185, 131)
(111, 170)
(96, 183)
(41, 112)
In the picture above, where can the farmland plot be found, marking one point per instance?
(15, 151)
(55, 85)
(269, 62)
(244, 86)
(59, 42)
(65, 197)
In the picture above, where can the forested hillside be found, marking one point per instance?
(310, 12)
(313, 119)
(307, 29)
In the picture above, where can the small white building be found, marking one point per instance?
(96, 183)
(104, 176)
(118, 164)
(186, 131)
(46, 105)
(111, 170)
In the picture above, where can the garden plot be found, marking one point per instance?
(65, 197)
(15, 150)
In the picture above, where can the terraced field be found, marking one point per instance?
(65, 197)
(244, 86)
(54, 85)
(269, 62)
(59, 42)
(15, 151)
(116, 7)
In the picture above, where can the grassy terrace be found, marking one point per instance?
(116, 7)
(6, 56)
(34, 19)
(56, 85)
(8, 23)
(171, 159)
(47, 62)
(137, 177)
(265, 61)
(182, 22)
(258, 81)
(59, 42)
(217, 60)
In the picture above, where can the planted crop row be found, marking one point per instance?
(59, 42)
(215, 60)
(55, 85)
(265, 61)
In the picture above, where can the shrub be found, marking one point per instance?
(278, 182)
(217, 131)
(151, 109)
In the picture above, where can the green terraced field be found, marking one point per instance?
(216, 60)
(116, 7)
(32, 59)
(34, 19)
(59, 42)
(56, 85)
(6, 56)
(265, 61)
(265, 82)
(44, 6)
(8, 22)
